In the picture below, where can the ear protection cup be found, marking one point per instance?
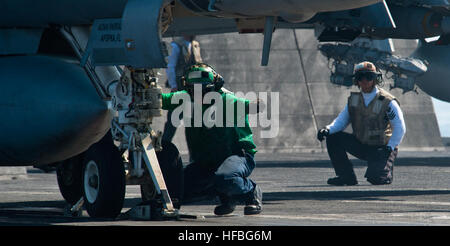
(218, 82)
(379, 78)
(183, 81)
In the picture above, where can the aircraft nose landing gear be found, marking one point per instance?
(137, 99)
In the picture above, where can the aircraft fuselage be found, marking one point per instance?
(26, 13)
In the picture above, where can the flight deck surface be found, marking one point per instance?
(295, 194)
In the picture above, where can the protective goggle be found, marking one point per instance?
(369, 76)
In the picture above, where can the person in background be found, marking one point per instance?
(185, 53)
(378, 128)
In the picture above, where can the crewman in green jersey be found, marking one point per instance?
(219, 139)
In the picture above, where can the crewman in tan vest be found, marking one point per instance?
(378, 128)
(185, 53)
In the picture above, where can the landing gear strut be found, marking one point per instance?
(137, 99)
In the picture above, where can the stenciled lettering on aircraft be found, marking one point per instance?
(109, 32)
(110, 26)
(111, 38)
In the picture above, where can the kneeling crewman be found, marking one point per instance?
(222, 156)
(378, 128)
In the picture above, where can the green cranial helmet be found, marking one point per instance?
(204, 75)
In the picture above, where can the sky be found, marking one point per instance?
(442, 110)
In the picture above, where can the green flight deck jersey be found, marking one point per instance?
(210, 146)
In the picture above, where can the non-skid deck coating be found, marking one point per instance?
(295, 194)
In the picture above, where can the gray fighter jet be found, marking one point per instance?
(78, 74)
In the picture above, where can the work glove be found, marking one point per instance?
(385, 151)
(324, 132)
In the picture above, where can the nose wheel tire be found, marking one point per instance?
(69, 176)
(103, 180)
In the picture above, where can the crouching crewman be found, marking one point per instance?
(378, 129)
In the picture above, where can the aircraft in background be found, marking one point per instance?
(78, 74)
(354, 35)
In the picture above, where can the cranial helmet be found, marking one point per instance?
(367, 70)
(204, 75)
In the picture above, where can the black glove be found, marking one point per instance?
(385, 151)
(322, 134)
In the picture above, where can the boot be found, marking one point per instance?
(227, 206)
(341, 180)
(254, 203)
(379, 181)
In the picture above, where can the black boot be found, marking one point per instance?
(227, 206)
(342, 180)
(254, 203)
(379, 181)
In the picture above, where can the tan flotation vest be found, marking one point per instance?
(370, 124)
(188, 57)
